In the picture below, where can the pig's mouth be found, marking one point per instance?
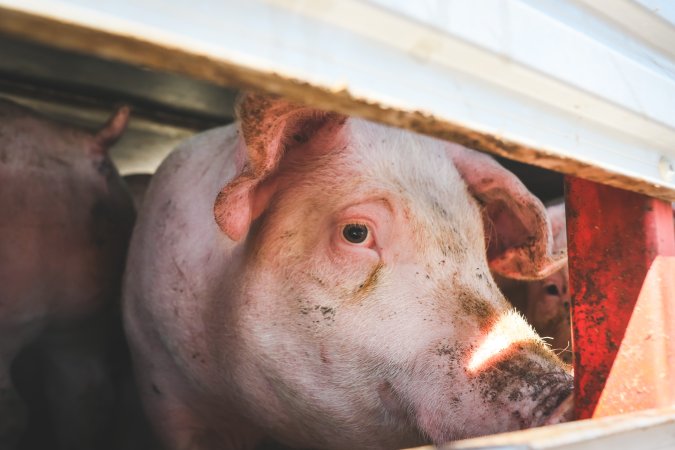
(555, 405)
(564, 412)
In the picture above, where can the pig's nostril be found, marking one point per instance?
(509, 329)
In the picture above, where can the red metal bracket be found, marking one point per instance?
(613, 238)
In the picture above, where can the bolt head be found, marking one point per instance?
(666, 169)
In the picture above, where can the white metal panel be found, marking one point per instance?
(562, 85)
(643, 430)
(547, 59)
(662, 8)
(650, 20)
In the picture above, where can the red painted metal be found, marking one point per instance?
(644, 369)
(613, 238)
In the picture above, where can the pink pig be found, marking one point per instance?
(546, 302)
(322, 281)
(66, 219)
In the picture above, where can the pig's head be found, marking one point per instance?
(547, 305)
(368, 313)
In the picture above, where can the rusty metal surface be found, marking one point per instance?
(613, 238)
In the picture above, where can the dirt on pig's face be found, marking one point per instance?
(370, 307)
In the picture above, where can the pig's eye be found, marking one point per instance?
(552, 289)
(355, 233)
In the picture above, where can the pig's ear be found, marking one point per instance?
(517, 230)
(556, 215)
(112, 129)
(268, 126)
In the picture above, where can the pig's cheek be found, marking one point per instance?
(552, 306)
(535, 300)
(350, 270)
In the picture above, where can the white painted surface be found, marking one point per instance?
(644, 430)
(590, 80)
(663, 8)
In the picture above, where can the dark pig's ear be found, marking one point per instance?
(112, 129)
(268, 126)
(517, 230)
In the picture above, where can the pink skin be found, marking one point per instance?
(66, 220)
(268, 323)
(548, 310)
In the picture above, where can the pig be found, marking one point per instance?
(66, 221)
(546, 303)
(323, 281)
(548, 300)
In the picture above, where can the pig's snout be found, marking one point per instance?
(539, 384)
(509, 330)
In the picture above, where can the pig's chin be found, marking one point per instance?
(401, 411)
(394, 404)
(423, 425)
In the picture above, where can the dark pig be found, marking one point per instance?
(65, 219)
